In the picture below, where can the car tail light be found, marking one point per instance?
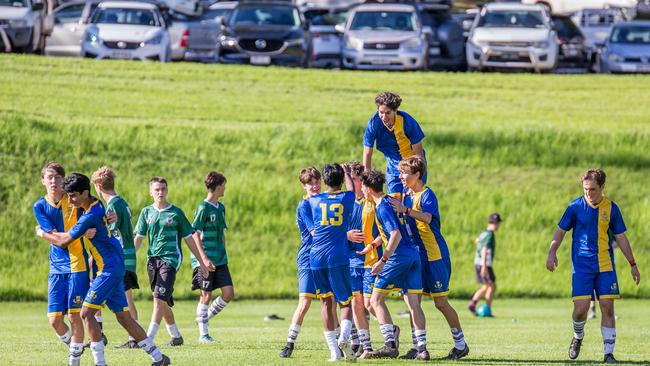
(186, 34)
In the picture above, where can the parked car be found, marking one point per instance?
(326, 40)
(127, 30)
(218, 10)
(192, 38)
(69, 22)
(596, 24)
(643, 9)
(573, 51)
(385, 36)
(265, 33)
(627, 49)
(512, 36)
(466, 19)
(446, 44)
(21, 25)
(567, 7)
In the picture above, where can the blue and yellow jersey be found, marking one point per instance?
(305, 226)
(60, 217)
(105, 249)
(395, 143)
(331, 214)
(363, 219)
(428, 237)
(591, 249)
(387, 221)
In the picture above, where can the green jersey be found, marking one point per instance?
(210, 221)
(165, 228)
(122, 229)
(485, 239)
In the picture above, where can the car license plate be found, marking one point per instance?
(572, 52)
(261, 60)
(325, 37)
(380, 61)
(121, 55)
(434, 51)
(510, 56)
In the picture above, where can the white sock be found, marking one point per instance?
(609, 339)
(459, 338)
(202, 318)
(346, 330)
(131, 339)
(76, 349)
(579, 329)
(97, 349)
(354, 336)
(99, 318)
(414, 339)
(364, 338)
(421, 336)
(294, 329)
(153, 329)
(172, 329)
(330, 338)
(65, 338)
(148, 346)
(388, 331)
(215, 308)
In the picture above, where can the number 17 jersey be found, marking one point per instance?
(331, 214)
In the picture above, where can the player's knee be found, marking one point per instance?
(86, 314)
(441, 303)
(56, 321)
(376, 301)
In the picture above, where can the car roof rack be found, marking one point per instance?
(427, 4)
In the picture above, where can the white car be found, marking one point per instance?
(126, 30)
(570, 6)
(509, 35)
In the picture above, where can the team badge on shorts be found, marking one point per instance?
(614, 287)
(77, 300)
(438, 285)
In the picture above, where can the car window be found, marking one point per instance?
(565, 28)
(631, 35)
(326, 17)
(213, 14)
(126, 16)
(69, 14)
(15, 3)
(507, 19)
(384, 20)
(601, 18)
(272, 15)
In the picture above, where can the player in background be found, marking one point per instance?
(210, 226)
(590, 217)
(165, 225)
(483, 265)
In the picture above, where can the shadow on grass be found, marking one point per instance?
(505, 361)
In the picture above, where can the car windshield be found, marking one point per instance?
(271, 15)
(126, 16)
(214, 14)
(384, 20)
(631, 35)
(601, 18)
(507, 19)
(14, 3)
(565, 28)
(326, 17)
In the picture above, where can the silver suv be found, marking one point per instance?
(385, 36)
(21, 25)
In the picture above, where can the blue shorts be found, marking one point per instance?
(334, 282)
(65, 292)
(306, 285)
(400, 274)
(604, 284)
(368, 282)
(107, 289)
(356, 280)
(435, 277)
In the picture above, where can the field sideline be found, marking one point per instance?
(524, 332)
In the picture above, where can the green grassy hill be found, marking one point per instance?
(510, 143)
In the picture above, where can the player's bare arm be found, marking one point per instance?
(626, 249)
(375, 244)
(551, 260)
(395, 238)
(61, 240)
(399, 207)
(137, 241)
(199, 247)
(205, 266)
(367, 158)
(418, 150)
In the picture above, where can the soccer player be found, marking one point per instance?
(108, 287)
(590, 217)
(328, 256)
(398, 269)
(423, 217)
(165, 224)
(68, 279)
(210, 226)
(103, 179)
(396, 134)
(311, 182)
(483, 260)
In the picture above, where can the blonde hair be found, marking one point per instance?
(104, 177)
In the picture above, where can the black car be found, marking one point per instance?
(265, 33)
(446, 42)
(573, 50)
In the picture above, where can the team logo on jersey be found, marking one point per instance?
(437, 285)
(604, 216)
(169, 221)
(92, 295)
(213, 218)
(614, 287)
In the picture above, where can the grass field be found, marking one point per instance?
(524, 332)
(512, 143)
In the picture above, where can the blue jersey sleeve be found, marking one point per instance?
(429, 204)
(304, 212)
(41, 217)
(88, 220)
(616, 223)
(568, 220)
(387, 218)
(412, 129)
(370, 135)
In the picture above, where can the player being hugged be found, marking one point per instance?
(590, 217)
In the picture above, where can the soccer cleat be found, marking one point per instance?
(104, 340)
(574, 348)
(272, 317)
(346, 347)
(457, 354)
(609, 358)
(472, 309)
(591, 314)
(397, 330)
(337, 356)
(206, 339)
(287, 351)
(385, 352)
(128, 345)
(177, 341)
(423, 355)
(364, 354)
(356, 348)
(164, 362)
(409, 355)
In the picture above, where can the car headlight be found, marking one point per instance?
(18, 23)
(543, 44)
(295, 42)
(615, 58)
(412, 43)
(354, 43)
(228, 42)
(153, 41)
(92, 38)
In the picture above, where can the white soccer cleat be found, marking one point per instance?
(346, 348)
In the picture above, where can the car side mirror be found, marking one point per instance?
(38, 6)
(339, 28)
(427, 30)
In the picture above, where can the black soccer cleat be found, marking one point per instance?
(164, 362)
(472, 309)
(409, 355)
(104, 340)
(574, 348)
(609, 358)
(457, 354)
(175, 342)
(128, 345)
(397, 330)
(423, 355)
(385, 352)
(287, 351)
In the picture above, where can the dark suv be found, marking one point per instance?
(265, 33)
